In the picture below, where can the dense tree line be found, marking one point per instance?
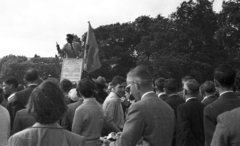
(191, 41)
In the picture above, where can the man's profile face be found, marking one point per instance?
(6, 89)
(119, 89)
(133, 88)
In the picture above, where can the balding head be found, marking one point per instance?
(141, 75)
(31, 76)
(139, 80)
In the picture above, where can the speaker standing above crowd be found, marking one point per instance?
(135, 110)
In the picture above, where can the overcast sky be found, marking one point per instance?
(29, 27)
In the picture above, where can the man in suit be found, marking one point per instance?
(227, 130)
(170, 86)
(190, 117)
(224, 78)
(150, 118)
(22, 121)
(67, 120)
(208, 91)
(20, 99)
(89, 116)
(158, 86)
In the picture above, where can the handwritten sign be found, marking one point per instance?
(71, 69)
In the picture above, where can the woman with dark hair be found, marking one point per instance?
(47, 105)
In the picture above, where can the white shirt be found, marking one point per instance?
(206, 97)
(12, 95)
(190, 98)
(161, 94)
(4, 126)
(149, 92)
(224, 93)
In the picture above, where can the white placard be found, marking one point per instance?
(71, 69)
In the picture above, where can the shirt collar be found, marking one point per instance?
(190, 98)
(88, 99)
(159, 94)
(149, 92)
(32, 84)
(225, 92)
(9, 98)
(207, 97)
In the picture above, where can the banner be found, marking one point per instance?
(71, 69)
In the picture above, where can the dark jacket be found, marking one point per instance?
(209, 100)
(225, 102)
(19, 101)
(67, 120)
(22, 121)
(190, 131)
(174, 101)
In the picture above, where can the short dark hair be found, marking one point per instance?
(12, 81)
(208, 87)
(47, 103)
(118, 80)
(225, 75)
(184, 79)
(86, 87)
(66, 85)
(31, 75)
(192, 85)
(159, 83)
(171, 85)
(142, 73)
(70, 36)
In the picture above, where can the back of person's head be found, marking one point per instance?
(225, 75)
(184, 79)
(86, 87)
(208, 87)
(31, 75)
(12, 81)
(117, 80)
(192, 86)
(47, 103)
(171, 85)
(141, 75)
(159, 84)
(66, 85)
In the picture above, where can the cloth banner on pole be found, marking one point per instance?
(91, 52)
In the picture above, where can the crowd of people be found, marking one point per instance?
(133, 111)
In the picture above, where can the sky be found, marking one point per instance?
(29, 27)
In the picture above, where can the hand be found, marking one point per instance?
(105, 141)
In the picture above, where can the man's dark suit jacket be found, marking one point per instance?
(190, 131)
(22, 121)
(67, 120)
(209, 100)
(19, 101)
(163, 96)
(174, 101)
(225, 102)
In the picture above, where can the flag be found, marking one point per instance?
(92, 61)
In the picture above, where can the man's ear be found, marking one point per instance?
(164, 89)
